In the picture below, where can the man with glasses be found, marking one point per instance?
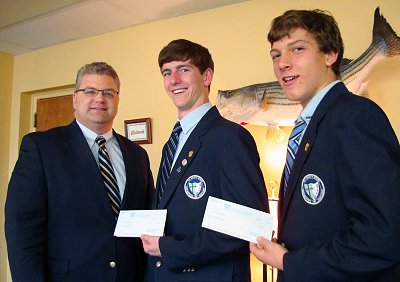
(68, 187)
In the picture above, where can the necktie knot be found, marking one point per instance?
(177, 128)
(299, 126)
(173, 141)
(299, 121)
(100, 140)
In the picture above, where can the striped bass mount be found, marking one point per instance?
(266, 104)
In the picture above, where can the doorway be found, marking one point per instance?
(57, 109)
(51, 108)
(52, 112)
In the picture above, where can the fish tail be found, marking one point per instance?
(383, 31)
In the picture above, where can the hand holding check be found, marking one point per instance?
(268, 252)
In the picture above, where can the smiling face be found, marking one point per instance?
(300, 67)
(186, 86)
(96, 112)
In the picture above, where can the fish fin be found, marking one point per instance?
(344, 64)
(363, 89)
(346, 61)
(274, 131)
(383, 31)
(264, 105)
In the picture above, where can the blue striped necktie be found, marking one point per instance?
(168, 154)
(107, 173)
(293, 145)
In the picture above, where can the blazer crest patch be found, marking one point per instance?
(195, 187)
(312, 189)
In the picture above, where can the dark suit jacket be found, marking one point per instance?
(225, 156)
(353, 233)
(59, 224)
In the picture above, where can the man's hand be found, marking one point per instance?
(150, 245)
(268, 252)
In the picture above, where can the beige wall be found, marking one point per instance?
(236, 37)
(6, 78)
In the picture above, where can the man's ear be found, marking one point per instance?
(207, 77)
(331, 58)
(74, 100)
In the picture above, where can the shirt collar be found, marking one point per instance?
(309, 110)
(91, 136)
(192, 118)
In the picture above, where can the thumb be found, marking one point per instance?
(262, 240)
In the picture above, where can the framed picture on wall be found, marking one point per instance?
(138, 130)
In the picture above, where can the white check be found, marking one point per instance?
(133, 223)
(237, 220)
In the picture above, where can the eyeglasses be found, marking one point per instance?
(92, 92)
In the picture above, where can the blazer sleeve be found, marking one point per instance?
(150, 189)
(367, 164)
(241, 181)
(25, 215)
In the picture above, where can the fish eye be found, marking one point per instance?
(228, 93)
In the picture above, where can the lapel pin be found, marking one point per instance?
(184, 162)
(190, 154)
(306, 147)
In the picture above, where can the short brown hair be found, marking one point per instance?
(318, 23)
(101, 68)
(183, 50)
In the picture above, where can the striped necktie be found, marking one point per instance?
(168, 154)
(107, 173)
(293, 145)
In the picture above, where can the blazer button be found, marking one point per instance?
(113, 264)
(158, 263)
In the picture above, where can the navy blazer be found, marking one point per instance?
(58, 219)
(349, 228)
(225, 157)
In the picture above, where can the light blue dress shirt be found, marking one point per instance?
(307, 113)
(113, 150)
(188, 123)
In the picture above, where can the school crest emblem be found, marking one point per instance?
(195, 187)
(312, 189)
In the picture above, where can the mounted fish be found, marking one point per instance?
(266, 103)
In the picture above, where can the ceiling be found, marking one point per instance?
(27, 25)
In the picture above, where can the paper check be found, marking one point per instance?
(237, 220)
(133, 223)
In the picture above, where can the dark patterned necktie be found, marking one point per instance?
(107, 173)
(168, 154)
(293, 145)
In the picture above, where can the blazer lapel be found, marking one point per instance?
(306, 147)
(187, 155)
(86, 168)
(301, 156)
